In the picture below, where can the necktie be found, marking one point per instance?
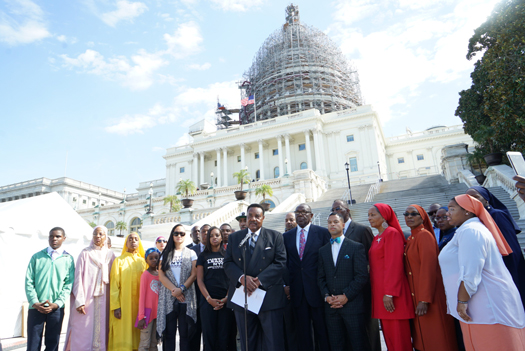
(302, 243)
(252, 243)
(336, 240)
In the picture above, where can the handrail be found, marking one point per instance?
(317, 219)
(372, 191)
(290, 203)
(466, 177)
(346, 196)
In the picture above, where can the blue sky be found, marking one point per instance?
(113, 83)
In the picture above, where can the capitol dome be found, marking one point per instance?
(298, 68)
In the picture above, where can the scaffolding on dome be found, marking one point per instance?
(298, 68)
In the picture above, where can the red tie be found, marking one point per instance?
(301, 244)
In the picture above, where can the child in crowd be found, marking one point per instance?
(148, 301)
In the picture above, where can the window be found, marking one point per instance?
(258, 174)
(135, 225)
(181, 170)
(74, 199)
(276, 172)
(302, 147)
(238, 158)
(93, 203)
(275, 152)
(349, 138)
(215, 163)
(84, 202)
(353, 164)
(420, 157)
(111, 227)
(303, 165)
(401, 160)
(256, 155)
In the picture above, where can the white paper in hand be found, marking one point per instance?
(255, 300)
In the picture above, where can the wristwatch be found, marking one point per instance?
(183, 288)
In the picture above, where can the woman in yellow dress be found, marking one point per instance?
(125, 288)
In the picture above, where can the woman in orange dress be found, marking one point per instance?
(391, 302)
(432, 328)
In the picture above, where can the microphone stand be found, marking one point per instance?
(243, 245)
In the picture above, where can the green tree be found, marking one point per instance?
(174, 202)
(186, 186)
(264, 190)
(243, 177)
(492, 110)
(92, 224)
(120, 227)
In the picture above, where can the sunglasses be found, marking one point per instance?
(179, 233)
(338, 208)
(412, 214)
(431, 213)
(162, 241)
(444, 218)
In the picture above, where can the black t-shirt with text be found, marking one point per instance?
(215, 278)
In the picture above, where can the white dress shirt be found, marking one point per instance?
(55, 253)
(472, 257)
(298, 236)
(336, 247)
(347, 224)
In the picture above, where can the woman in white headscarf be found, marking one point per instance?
(89, 316)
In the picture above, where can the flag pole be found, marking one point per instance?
(254, 106)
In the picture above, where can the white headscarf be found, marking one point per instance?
(99, 256)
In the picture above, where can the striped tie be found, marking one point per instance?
(302, 243)
(252, 243)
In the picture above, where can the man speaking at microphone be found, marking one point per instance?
(265, 267)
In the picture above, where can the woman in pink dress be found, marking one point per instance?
(89, 318)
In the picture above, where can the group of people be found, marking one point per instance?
(455, 282)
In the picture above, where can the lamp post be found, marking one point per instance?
(286, 167)
(347, 167)
(150, 209)
(379, 170)
(211, 176)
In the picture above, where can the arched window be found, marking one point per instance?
(258, 175)
(276, 172)
(111, 227)
(272, 204)
(135, 225)
(304, 165)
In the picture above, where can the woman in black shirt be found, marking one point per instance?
(217, 319)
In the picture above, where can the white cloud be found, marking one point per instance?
(185, 41)
(184, 139)
(166, 17)
(137, 73)
(198, 67)
(423, 45)
(126, 11)
(237, 5)
(63, 39)
(192, 105)
(23, 23)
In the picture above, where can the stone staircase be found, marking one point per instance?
(399, 194)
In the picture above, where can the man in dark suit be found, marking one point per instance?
(302, 251)
(361, 234)
(195, 341)
(265, 267)
(342, 276)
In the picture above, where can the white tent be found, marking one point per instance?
(24, 230)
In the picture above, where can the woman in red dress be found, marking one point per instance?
(391, 300)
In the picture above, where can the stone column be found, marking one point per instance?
(280, 152)
(340, 158)
(242, 156)
(201, 154)
(218, 175)
(308, 149)
(195, 168)
(318, 167)
(225, 154)
(323, 160)
(261, 162)
(168, 177)
(288, 155)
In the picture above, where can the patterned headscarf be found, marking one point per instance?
(473, 205)
(390, 217)
(150, 250)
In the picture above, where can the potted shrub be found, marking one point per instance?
(264, 190)
(243, 177)
(476, 159)
(187, 187)
(120, 227)
(174, 202)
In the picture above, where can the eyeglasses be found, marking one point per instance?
(302, 213)
(411, 214)
(179, 233)
(437, 218)
(338, 208)
(162, 241)
(431, 213)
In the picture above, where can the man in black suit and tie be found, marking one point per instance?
(265, 267)
(342, 276)
(362, 234)
(302, 251)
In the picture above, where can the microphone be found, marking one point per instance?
(245, 238)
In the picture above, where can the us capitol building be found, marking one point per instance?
(306, 128)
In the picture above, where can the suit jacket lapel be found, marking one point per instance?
(309, 240)
(342, 251)
(294, 243)
(349, 230)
